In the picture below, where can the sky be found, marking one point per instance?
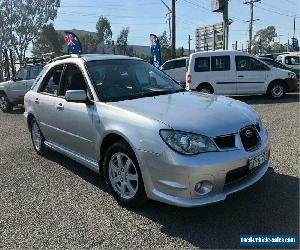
(145, 17)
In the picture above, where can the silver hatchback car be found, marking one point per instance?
(150, 138)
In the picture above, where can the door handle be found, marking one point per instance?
(240, 76)
(60, 106)
(36, 100)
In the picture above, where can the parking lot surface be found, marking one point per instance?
(54, 202)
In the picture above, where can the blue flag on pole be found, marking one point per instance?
(155, 50)
(74, 46)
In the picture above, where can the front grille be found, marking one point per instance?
(249, 137)
(227, 141)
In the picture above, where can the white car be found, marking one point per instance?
(176, 68)
(237, 73)
(290, 60)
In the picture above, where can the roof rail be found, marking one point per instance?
(64, 57)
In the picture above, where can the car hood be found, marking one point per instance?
(205, 114)
(2, 84)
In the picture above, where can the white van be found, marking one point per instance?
(237, 73)
(176, 68)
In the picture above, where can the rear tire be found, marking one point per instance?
(37, 138)
(5, 104)
(276, 90)
(205, 88)
(123, 176)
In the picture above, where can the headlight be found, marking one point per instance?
(187, 143)
(292, 75)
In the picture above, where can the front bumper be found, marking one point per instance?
(292, 83)
(171, 177)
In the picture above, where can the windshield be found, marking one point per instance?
(117, 80)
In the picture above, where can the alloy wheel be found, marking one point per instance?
(123, 175)
(277, 90)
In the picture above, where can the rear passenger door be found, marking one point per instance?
(223, 75)
(250, 75)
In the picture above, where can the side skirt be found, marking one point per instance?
(87, 162)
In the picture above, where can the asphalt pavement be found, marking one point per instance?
(54, 202)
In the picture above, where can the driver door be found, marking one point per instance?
(75, 120)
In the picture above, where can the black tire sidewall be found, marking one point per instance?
(9, 106)
(140, 197)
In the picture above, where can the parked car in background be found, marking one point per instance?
(292, 61)
(237, 73)
(12, 92)
(274, 63)
(123, 117)
(176, 68)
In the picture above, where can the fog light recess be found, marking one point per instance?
(203, 187)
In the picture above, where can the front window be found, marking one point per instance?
(117, 80)
(246, 63)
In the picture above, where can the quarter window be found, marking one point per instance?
(220, 63)
(246, 63)
(169, 65)
(51, 82)
(202, 64)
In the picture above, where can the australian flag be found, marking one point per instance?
(74, 46)
(155, 50)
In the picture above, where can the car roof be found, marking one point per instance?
(90, 57)
(96, 57)
(219, 52)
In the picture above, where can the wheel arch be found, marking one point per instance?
(110, 139)
(277, 80)
(205, 84)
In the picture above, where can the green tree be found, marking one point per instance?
(104, 33)
(265, 37)
(122, 41)
(24, 21)
(165, 47)
(88, 43)
(48, 41)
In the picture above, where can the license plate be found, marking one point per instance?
(258, 160)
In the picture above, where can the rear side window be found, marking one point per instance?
(50, 84)
(169, 65)
(23, 74)
(202, 64)
(246, 63)
(180, 63)
(220, 63)
(35, 70)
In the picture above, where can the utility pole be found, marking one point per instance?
(225, 25)
(173, 44)
(190, 44)
(251, 3)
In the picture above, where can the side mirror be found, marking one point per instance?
(76, 96)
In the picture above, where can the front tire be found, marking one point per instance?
(123, 175)
(5, 104)
(276, 90)
(37, 138)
